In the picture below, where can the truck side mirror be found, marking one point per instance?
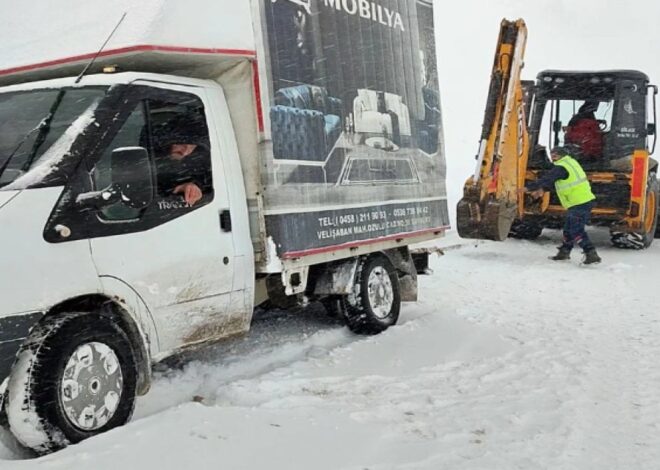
(132, 181)
(556, 126)
(132, 175)
(650, 128)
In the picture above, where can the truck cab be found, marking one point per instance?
(100, 167)
(84, 163)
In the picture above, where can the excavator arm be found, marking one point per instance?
(492, 199)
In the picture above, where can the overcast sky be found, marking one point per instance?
(563, 34)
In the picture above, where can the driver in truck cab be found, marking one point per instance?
(183, 161)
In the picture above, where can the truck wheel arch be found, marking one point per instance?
(74, 377)
(403, 262)
(112, 308)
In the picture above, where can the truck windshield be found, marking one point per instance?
(37, 127)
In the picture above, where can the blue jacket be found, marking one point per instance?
(547, 181)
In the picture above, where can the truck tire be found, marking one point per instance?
(375, 302)
(75, 377)
(525, 230)
(643, 238)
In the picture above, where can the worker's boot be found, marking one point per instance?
(591, 257)
(562, 255)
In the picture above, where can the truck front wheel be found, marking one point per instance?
(375, 302)
(75, 377)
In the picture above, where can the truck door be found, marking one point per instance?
(173, 253)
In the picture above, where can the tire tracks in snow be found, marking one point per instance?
(276, 340)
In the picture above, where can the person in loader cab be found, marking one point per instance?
(574, 191)
(584, 132)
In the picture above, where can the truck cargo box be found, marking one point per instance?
(335, 105)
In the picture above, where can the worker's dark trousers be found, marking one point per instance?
(576, 219)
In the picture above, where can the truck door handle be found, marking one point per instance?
(225, 220)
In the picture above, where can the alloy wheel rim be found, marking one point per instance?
(381, 293)
(91, 386)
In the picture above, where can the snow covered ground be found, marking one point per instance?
(508, 361)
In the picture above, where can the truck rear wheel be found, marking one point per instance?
(643, 238)
(375, 302)
(75, 377)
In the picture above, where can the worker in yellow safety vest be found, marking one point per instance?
(574, 192)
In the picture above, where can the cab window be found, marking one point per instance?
(582, 125)
(150, 164)
(175, 135)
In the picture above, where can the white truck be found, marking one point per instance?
(215, 155)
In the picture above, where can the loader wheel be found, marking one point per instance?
(525, 230)
(644, 237)
(75, 377)
(375, 302)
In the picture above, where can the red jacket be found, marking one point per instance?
(586, 134)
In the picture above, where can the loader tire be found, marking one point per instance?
(525, 230)
(642, 238)
(375, 302)
(75, 377)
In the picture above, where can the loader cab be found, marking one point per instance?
(604, 116)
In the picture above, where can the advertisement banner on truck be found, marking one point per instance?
(356, 148)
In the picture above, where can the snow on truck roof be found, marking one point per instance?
(198, 63)
(102, 79)
(51, 40)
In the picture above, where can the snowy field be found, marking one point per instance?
(509, 361)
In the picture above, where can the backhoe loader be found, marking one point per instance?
(524, 119)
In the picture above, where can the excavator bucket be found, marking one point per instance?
(468, 218)
(498, 218)
(493, 223)
(490, 197)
